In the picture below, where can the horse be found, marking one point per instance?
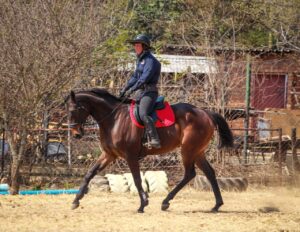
(120, 138)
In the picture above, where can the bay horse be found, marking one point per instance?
(120, 138)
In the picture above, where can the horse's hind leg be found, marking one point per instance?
(136, 174)
(189, 173)
(209, 172)
(100, 164)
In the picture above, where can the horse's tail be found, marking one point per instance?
(225, 134)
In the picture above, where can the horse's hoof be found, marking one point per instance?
(216, 208)
(140, 211)
(75, 206)
(165, 206)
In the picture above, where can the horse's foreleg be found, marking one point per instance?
(100, 164)
(209, 172)
(135, 170)
(189, 174)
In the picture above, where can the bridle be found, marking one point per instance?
(75, 124)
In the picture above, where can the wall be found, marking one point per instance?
(283, 118)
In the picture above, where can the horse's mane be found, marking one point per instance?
(103, 93)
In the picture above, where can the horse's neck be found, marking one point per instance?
(99, 108)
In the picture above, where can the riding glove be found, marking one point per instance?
(128, 93)
(122, 93)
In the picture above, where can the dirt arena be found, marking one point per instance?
(188, 212)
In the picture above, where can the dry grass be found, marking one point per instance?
(188, 212)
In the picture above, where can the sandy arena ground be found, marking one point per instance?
(188, 212)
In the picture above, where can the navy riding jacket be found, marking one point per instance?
(147, 72)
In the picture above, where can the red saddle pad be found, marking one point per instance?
(165, 116)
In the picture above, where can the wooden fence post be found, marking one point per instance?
(295, 161)
(247, 100)
(2, 151)
(294, 151)
(69, 145)
(280, 153)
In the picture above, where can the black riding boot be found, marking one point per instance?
(151, 130)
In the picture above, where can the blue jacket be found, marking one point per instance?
(147, 72)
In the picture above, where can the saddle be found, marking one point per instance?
(162, 115)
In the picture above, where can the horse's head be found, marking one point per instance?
(78, 114)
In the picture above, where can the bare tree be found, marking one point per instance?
(45, 45)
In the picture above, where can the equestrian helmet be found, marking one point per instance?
(141, 38)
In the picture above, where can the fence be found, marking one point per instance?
(267, 151)
(268, 158)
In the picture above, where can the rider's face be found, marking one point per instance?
(138, 47)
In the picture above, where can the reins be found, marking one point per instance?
(114, 109)
(73, 125)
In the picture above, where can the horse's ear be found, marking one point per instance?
(72, 94)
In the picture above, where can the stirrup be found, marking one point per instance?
(155, 143)
(151, 143)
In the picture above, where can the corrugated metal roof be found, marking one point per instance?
(181, 64)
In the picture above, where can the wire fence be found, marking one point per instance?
(264, 151)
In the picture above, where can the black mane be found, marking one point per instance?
(103, 93)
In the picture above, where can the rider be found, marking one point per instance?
(145, 79)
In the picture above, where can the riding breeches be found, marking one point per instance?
(147, 103)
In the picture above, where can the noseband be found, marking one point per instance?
(74, 125)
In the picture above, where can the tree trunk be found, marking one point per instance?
(15, 173)
(17, 144)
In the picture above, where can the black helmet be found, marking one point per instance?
(143, 39)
